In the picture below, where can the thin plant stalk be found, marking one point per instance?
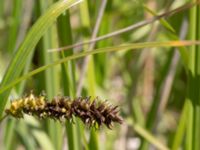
(19, 58)
(69, 77)
(97, 51)
(49, 79)
(193, 130)
(129, 28)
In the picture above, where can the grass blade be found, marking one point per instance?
(17, 10)
(181, 127)
(68, 76)
(28, 45)
(48, 81)
(101, 50)
(145, 134)
(194, 83)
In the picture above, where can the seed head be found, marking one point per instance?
(92, 113)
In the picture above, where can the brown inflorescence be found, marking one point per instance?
(92, 113)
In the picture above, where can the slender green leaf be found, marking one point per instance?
(101, 50)
(150, 138)
(42, 139)
(194, 83)
(13, 31)
(49, 80)
(183, 51)
(68, 77)
(19, 59)
(181, 127)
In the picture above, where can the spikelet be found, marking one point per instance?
(92, 113)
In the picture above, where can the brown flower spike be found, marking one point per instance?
(92, 113)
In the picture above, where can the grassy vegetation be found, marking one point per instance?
(141, 55)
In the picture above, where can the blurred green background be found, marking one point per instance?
(156, 89)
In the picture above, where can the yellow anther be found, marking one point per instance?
(63, 110)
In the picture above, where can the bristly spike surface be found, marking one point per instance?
(92, 112)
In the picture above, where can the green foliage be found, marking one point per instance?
(145, 69)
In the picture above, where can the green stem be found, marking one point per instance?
(68, 76)
(193, 133)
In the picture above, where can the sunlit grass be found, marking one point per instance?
(92, 49)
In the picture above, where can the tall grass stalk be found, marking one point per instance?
(119, 77)
(93, 141)
(28, 45)
(22, 57)
(49, 80)
(193, 131)
(97, 51)
(13, 31)
(68, 76)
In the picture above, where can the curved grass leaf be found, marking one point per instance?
(149, 137)
(183, 51)
(19, 59)
(42, 139)
(101, 50)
